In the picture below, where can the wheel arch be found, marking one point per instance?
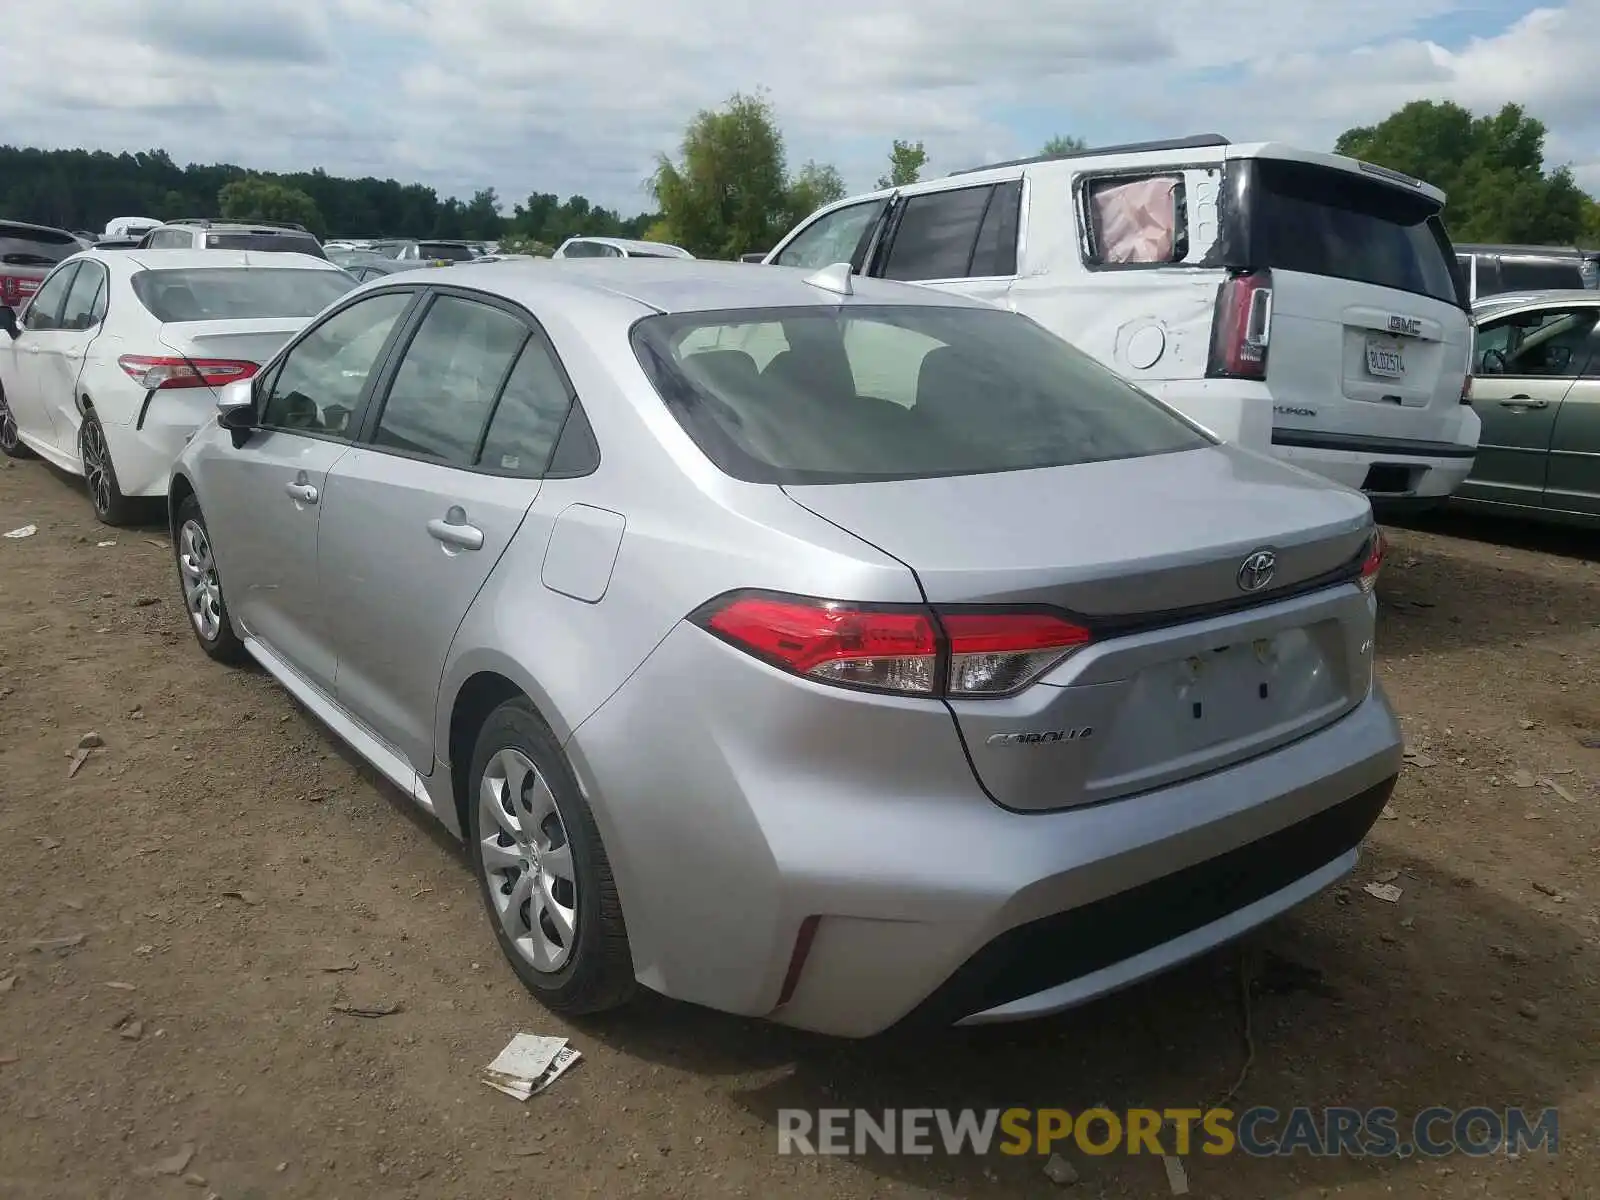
(178, 490)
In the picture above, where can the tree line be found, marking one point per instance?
(730, 188)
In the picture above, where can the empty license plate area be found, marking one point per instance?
(1385, 358)
(1224, 703)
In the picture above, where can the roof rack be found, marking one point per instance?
(208, 222)
(1197, 141)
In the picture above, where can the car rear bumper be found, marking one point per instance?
(144, 448)
(746, 806)
(1387, 470)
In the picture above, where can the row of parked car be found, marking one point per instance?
(828, 643)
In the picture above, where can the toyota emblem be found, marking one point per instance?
(1256, 571)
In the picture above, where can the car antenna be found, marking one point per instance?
(834, 278)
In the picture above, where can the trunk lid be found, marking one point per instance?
(1187, 671)
(253, 340)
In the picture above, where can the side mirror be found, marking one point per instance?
(8, 320)
(236, 405)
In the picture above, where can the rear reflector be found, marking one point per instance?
(166, 372)
(963, 653)
(1372, 563)
(1241, 328)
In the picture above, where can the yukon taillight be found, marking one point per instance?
(907, 650)
(11, 293)
(166, 372)
(1241, 328)
(1466, 389)
(1372, 560)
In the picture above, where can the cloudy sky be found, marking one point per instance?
(579, 95)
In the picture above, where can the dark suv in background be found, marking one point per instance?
(27, 254)
(1494, 270)
(200, 233)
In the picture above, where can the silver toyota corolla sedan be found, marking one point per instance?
(821, 648)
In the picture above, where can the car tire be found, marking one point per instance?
(542, 869)
(100, 475)
(200, 586)
(10, 442)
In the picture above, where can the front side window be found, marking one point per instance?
(859, 393)
(840, 236)
(44, 310)
(319, 385)
(443, 392)
(85, 303)
(1538, 345)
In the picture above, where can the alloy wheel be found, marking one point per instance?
(202, 591)
(8, 426)
(96, 464)
(527, 861)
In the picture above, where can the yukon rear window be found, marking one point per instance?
(21, 246)
(854, 393)
(279, 242)
(238, 293)
(1325, 221)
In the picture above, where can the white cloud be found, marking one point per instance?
(579, 95)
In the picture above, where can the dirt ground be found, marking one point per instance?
(1477, 987)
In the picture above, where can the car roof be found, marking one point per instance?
(174, 260)
(1551, 296)
(627, 243)
(691, 285)
(7, 223)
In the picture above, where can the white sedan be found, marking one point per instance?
(113, 364)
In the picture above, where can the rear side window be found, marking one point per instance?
(1136, 220)
(86, 302)
(858, 393)
(24, 247)
(454, 367)
(528, 418)
(1326, 221)
(1539, 274)
(230, 293)
(936, 235)
(285, 243)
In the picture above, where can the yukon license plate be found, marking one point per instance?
(1385, 359)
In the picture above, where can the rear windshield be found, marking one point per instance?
(589, 250)
(24, 247)
(238, 293)
(445, 250)
(1324, 221)
(859, 393)
(287, 242)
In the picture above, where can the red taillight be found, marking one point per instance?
(1242, 327)
(158, 373)
(910, 651)
(14, 289)
(1372, 563)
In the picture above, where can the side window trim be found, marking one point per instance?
(394, 354)
(381, 364)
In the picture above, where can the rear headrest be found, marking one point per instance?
(947, 389)
(724, 370)
(180, 303)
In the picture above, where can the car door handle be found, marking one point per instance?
(452, 529)
(302, 492)
(1524, 402)
(30, 348)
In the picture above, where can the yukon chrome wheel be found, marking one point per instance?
(527, 861)
(202, 593)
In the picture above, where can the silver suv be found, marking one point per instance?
(201, 233)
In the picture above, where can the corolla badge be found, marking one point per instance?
(1256, 571)
(1044, 738)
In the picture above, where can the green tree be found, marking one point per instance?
(1491, 168)
(1063, 143)
(258, 199)
(730, 191)
(906, 160)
